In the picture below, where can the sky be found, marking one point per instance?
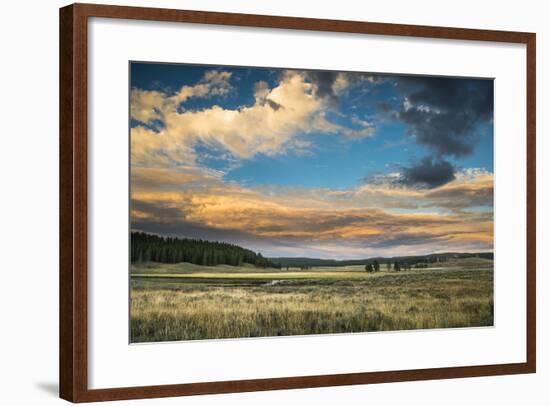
(311, 163)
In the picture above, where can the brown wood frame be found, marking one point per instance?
(73, 362)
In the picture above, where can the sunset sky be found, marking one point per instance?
(309, 163)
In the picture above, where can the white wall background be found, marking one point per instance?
(28, 203)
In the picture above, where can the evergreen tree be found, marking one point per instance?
(147, 247)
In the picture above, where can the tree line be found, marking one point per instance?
(148, 247)
(397, 266)
(416, 261)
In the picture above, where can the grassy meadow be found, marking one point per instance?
(184, 301)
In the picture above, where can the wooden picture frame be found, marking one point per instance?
(73, 200)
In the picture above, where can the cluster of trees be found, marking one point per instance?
(401, 266)
(397, 266)
(373, 267)
(289, 268)
(147, 247)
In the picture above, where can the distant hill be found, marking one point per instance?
(411, 259)
(148, 247)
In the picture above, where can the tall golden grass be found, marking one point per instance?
(423, 300)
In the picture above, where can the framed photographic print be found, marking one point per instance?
(255, 202)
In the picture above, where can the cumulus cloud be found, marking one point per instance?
(268, 126)
(147, 105)
(150, 105)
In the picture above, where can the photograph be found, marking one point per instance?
(270, 204)
(286, 202)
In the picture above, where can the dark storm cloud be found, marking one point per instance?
(443, 113)
(323, 81)
(428, 173)
(475, 96)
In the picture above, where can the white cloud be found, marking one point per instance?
(340, 84)
(271, 125)
(150, 105)
(214, 83)
(147, 105)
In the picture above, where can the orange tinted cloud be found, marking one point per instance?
(376, 218)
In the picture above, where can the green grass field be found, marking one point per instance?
(188, 302)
